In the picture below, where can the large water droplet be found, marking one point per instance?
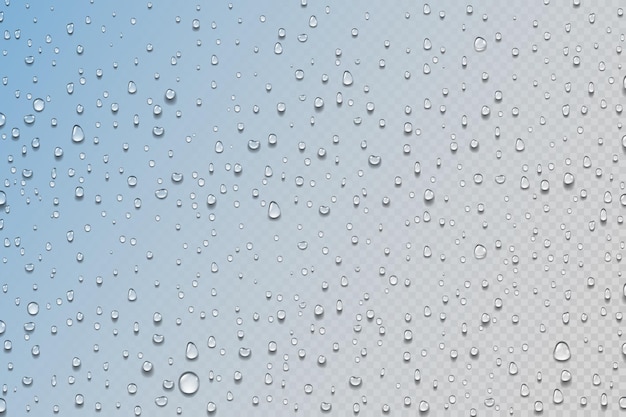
(557, 396)
(273, 210)
(3, 198)
(480, 44)
(480, 251)
(77, 134)
(39, 104)
(188, 383)
(32, 308)
(562, 352)
(347, 78)
(3, 405)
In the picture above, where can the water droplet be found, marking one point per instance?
(513, 368)
(480, 44)
(557, 396)
(32, 308)
(161, 401)
(273, 210)
(211, 407)
(77, 134)
(562, 352)
(170, 94)
(519, 144)
(244, 352)
(3, 405)
(3, 198)
(480, 251)
(568, 179)
(424, 406)
(188, 383)
(191, 352)
(566, 375)
(132, 87)
(161, 193)
(429, 195)
(39, 104)
(347, 78)
(374, 160)
(355, 381)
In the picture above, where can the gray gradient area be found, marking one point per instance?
(302, 208)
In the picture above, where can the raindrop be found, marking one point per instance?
(32, 308)
(562, 352)
(348, 80)
(39, 104)
(188, 383)
(77, 134)
(480, 44)
(273, 210)
(480, 251)
(191, 352)
(161, 193)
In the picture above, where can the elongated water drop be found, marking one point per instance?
(273, 210)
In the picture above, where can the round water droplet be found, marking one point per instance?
(170, 94)
(480, 252)
(480, 44)
(32, 308)
(188, 383)
(424, 406)
(211, 407)
(77, 134)
(3, 198)
(3, 405)
(39, 104)
(622, 402)
(568, 179)
(273, 210)
(562, 352)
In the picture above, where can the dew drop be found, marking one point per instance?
(273, 210)
(562, 352)
(188, 383)
(77, 134)
(347, 78)
(480, 44)
(191, 352)
(480, 251)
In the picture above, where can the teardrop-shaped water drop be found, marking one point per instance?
(77, 134)
(191, 351)
(273, 210)
(347, 78)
